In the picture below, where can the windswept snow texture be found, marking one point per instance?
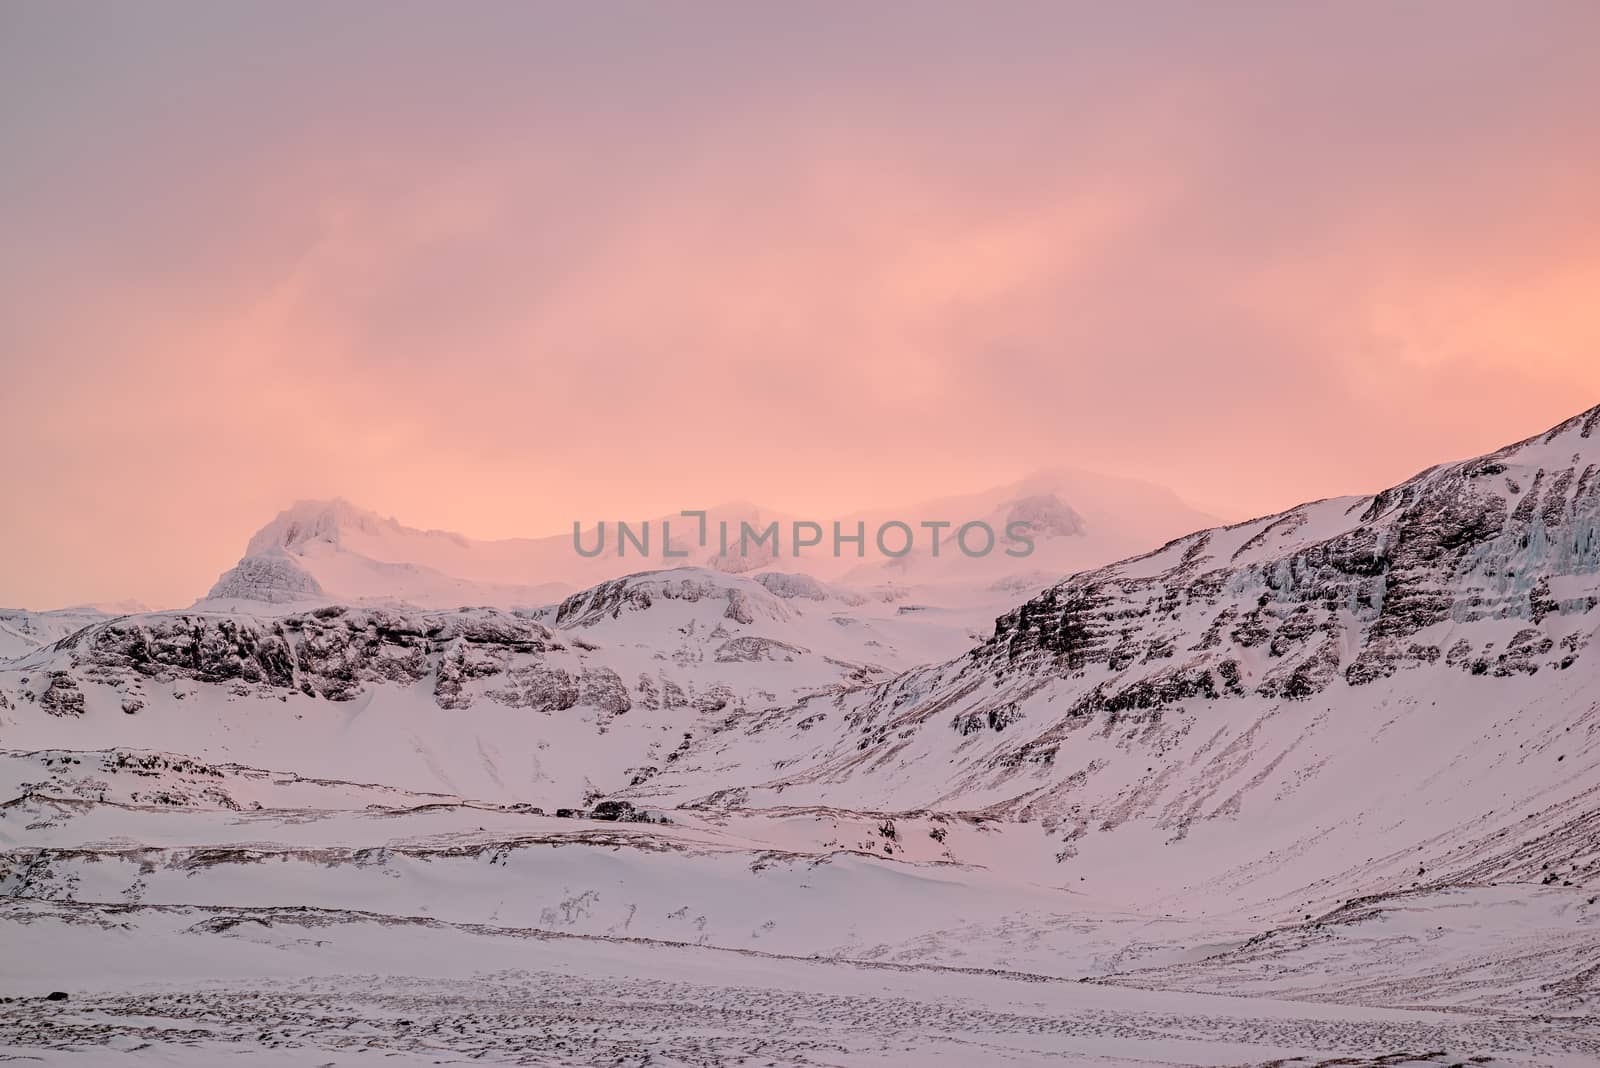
(1322, 788)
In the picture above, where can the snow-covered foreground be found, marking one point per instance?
(276, 919)
(191, 985)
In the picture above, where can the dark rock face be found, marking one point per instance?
(749, 648)
(1166, 687)
(994, 719)
(332, 652)
(543, 689)
(61, 697)
(619, 811)
(338, 653)
(613, 810)
(603, 688)
(1485, 539)
(636, 593)
(606, 599)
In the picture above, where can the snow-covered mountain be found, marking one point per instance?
(1321, 787)
(1077, 520)
(332, 552)
(546, 693)
(1355, 695)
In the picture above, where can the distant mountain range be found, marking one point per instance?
(333, 551)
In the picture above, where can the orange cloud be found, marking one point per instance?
(499, 274)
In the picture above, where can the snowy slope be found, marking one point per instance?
(306, 986)
(22, 631)
(1469, 947)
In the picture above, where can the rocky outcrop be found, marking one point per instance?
(750, 648)
(61, 696)
(332, 652)
(274, 577)
(693, 628)
(637, 593)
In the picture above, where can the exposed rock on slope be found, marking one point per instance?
(272, 577)
(1209, 710)
(339, 653)
(1435, 637)
(1350, 588)
(332, 652)
(634, 593)
(680, 650)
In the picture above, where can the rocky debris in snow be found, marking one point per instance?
(61, 697)
(749, 649)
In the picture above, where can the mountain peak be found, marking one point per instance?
(1585, 426)
(331, 521)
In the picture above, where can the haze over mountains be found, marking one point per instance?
(336, 551)
(1339, 764)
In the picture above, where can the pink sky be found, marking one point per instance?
(496, 267)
